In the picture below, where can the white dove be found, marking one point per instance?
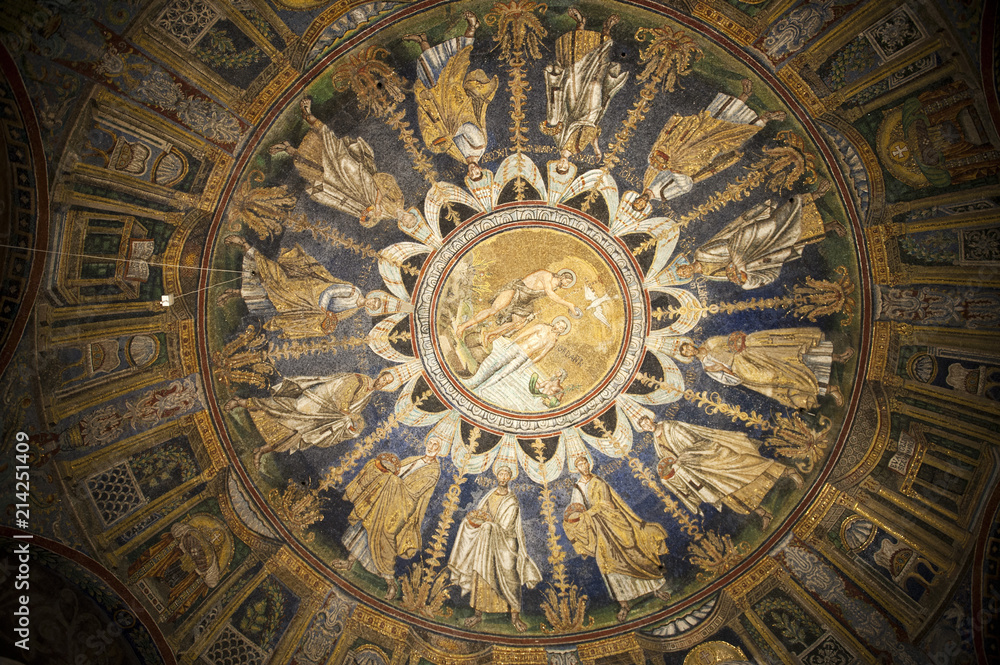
(596, 304)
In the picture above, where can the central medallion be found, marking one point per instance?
(530, 319)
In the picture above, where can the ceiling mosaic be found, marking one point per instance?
(500, 332)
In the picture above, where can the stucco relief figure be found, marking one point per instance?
(296, 294)
(489, 561)
(692, 148)
(627, 549)
(751, 249)
(341, 172)
(513, 305)
(704, 465)
(790, 365)
(579, 86)
(189, 561)
(451, 100)
(311, 411)
(390, 500)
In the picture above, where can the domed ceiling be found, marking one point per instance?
(500, 332)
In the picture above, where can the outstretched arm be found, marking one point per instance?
(550, 292)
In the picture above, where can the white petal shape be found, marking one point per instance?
(442, 192)
(634, 411)
(412, 415)
(542, 473)
(687, 320)
(627, 217)
(448, 432)
(378, 339)
(401, 374)
(520, 166)
(474, 463)
(506, 455)
(388, 265)
(608, 189)
(574, 446)
(621, 439)
(419, 229)
(485, 190)
(559, 182)
(673, 381)
(666, 232)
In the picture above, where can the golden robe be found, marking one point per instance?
(626, 547)
(780, 364)
(714, 466)
(312, 411)
(390, 508)
(294, 285)
(451, 113)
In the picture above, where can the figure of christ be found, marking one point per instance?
(528, 347)
(311, 411)
(390, 500)
(704, 465)
(296, 294)
(341, 172)
(627, 549)
(451, 100)
(750, 250)
(790, 365)
(692, 148)
(579, 86)
(513, 306)
(489, 561)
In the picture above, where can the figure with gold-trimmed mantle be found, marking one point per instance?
(451, 100)
(390, 500)
(627, 549)
(490, 562)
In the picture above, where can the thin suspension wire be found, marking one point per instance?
(111, 258)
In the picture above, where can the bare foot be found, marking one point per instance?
(418, 38)
(662, 593)
(765, 518)
(836, 227)
(238, 241)
(796, 478)
(226, 296)
(391, 592)
(515, 619)
(234, 403)
(575, 14)
(609, 23)
(305, 106)
(257, 456)
(343, 564)
(473, 23)
(776, 116)
(622, 613)
(844, 355)
(284, 146)
(747, 89)
(822, 188)
(473, 621)
(838, 397)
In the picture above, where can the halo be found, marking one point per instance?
(569, 324)
(572, 274)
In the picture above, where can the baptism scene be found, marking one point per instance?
(460, 333)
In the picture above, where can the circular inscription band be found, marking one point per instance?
(530, 319)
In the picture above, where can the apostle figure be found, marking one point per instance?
(627, 548)
(751, 249)
(790, 365)
(579, 86)
(311, 411)
(451, 100)
(341, 172)
(704, 465)
(296, 293)
(189, 560)
(390, 500)
(692, 148)
(489, 561)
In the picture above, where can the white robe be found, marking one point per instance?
(495, 553)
